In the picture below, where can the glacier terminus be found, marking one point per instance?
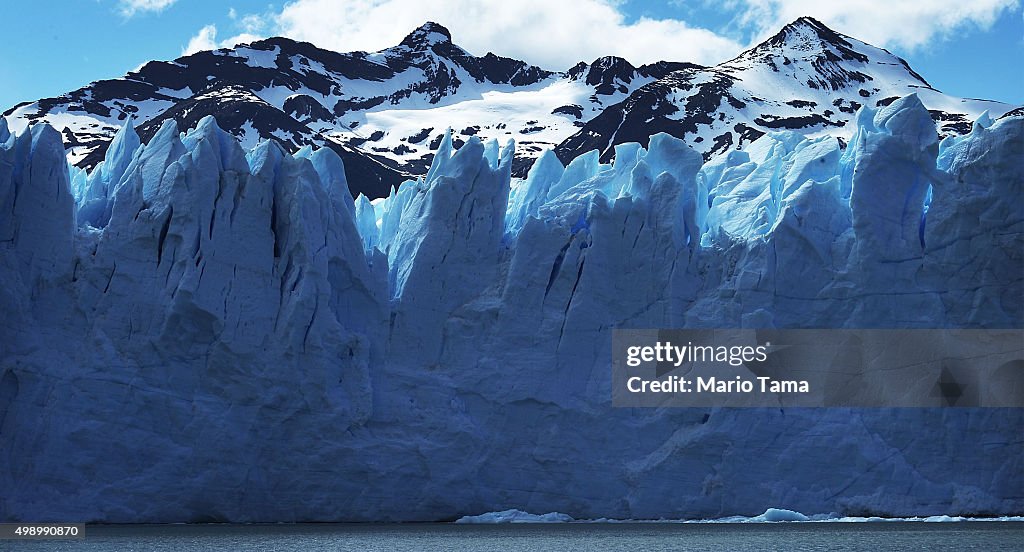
(192, 331)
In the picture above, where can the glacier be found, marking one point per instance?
(192, 332)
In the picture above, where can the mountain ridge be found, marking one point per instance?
(384, 112)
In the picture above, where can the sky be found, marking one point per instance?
(969, 48)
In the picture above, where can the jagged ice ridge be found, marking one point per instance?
(192, 332)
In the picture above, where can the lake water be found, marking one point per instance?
(631, 537)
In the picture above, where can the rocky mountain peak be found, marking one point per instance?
(426, 35)
(607, 68)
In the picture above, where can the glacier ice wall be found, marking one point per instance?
(192, 332)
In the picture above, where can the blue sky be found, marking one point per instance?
(970, 49)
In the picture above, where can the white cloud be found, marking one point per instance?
(552, 34)
(129, 8)
(253, 23)
(555, 34)
(206, 39)
(901, 24)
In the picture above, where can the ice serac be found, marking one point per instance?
(530, 194)
(37, 233)
(749, 198)
(96, 188)
(975, 222)
(239, 341)
(447, 248)
(241, 291)
(366, 221)
(892, 169)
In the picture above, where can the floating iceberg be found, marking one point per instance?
(780, 514)
(514, 516)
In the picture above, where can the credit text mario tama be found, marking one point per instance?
(818, 368)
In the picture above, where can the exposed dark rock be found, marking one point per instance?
(573, 110)
(420, 136)
(306, 108)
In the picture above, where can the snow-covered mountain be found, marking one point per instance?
(806, 78)
(385, 112)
